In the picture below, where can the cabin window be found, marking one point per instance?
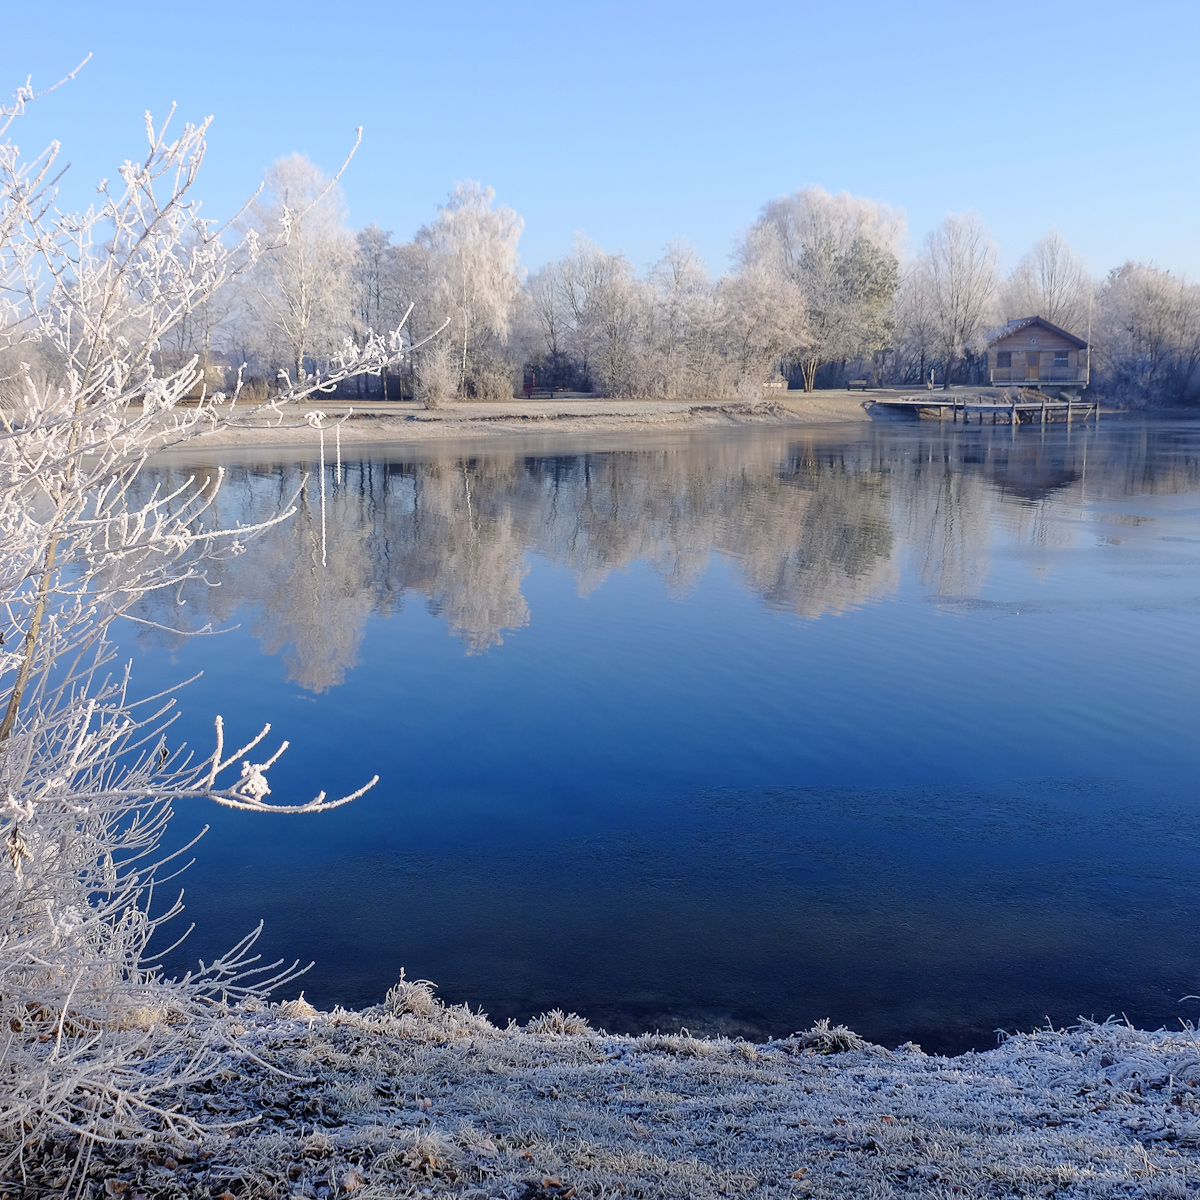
(1003, 358)
(1061, 359)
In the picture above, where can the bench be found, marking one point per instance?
(856, 383)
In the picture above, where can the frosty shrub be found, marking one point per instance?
(413, 996)
(437, 375)
(96, 1040)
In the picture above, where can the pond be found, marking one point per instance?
(728, 730)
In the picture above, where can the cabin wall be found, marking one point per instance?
(1043, 342)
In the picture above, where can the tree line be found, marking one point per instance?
(820, 291)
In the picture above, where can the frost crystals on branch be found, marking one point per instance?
(93, 309)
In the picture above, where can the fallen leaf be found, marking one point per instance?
(351, 1181)
(800, 1173)
(552, 1181)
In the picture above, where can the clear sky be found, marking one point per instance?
(640, 123)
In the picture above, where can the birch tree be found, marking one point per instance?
(473, 277)
(302, 285)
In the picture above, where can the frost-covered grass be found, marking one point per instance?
(413, 1098)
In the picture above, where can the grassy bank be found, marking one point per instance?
(412, 1098)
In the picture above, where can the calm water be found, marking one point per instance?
(731, 731)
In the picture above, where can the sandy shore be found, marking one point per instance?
(407, 422)
(412, 1098)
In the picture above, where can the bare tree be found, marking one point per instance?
(96, 1039)
(960, 268)
(1052, 282)
(916, 336)
(379, 285)
(608, 308)
(544, 324)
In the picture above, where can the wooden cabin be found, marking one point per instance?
(1032, 351)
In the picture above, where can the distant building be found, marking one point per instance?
(1032, 351)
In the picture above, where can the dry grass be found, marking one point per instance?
(414, 1098)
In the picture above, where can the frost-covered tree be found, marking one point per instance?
(684, 329)
(381, 289)
(843, 253)
(1148, 336)
(544, 328)
(301, 287)
(472, 274)
(763, 318)
(959, 265)
(97, 1041)
(915, 340)
(608, 308)
(1052, 282)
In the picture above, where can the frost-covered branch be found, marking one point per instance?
(96, 1037)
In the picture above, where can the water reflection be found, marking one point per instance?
(815, 526)
(693, 796)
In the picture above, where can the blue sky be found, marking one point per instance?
(641, 123)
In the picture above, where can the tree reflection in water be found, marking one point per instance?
(815, 525)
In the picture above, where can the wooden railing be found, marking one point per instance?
(1022, 374)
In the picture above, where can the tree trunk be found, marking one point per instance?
(30, 645)
(808, 370)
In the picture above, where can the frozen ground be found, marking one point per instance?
(415, 1099)
(406, 422)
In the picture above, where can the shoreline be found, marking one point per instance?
(406, 422)
(403, 422)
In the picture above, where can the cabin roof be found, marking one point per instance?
(1021, 323)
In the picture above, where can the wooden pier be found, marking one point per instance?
(1035, 409)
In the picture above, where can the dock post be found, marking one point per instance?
(1068, 410)
(1014, 413)
(1043, 412)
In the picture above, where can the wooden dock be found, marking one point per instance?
(1029, 410)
